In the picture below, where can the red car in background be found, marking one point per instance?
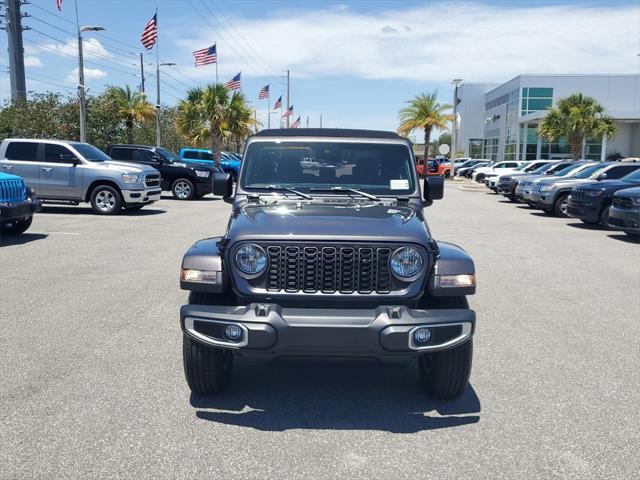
(440, 167)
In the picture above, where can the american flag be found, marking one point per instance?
(234, 83)
(263, 93)
(289, 112)
(278, 103)
(296, 124)
(150, 33)
(206, 56)
(59, 5)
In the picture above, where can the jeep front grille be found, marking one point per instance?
(11, 190)
(152, 180)
(575, 193)
(622, 202)
(328, 268)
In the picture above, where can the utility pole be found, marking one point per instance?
(454, 123)
(141, 73)
(288, 98)
(320, 120)
(16, 50)
(158, 112)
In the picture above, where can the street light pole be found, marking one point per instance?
(158, 129)
(81, 86)
(454, 123)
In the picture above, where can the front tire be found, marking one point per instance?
(445, 374)
(208, 370)
(106, 200)
(560, 205)
(183, 189)
(604, 218)
(16, 227)
(480, 178)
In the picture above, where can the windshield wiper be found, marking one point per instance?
(288, 189)
(346, 190)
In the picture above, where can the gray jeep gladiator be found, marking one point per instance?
(327, 253)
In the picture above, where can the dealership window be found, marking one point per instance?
(491, 148)
(475, 147)
(536, 99)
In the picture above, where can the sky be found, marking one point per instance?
(355, 63)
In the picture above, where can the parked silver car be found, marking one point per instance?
(75, 172)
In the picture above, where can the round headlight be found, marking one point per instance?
(251, 259)
(406, 262)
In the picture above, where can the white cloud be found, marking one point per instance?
(436, 42)
(91, 48)
(31, 61)
(89, 74)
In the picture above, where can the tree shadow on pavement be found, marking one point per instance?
(73, 210)
(336, 396)
(7, 240)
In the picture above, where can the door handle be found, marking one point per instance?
(47, 169)
(8, 167)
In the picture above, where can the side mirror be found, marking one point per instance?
(433, 189)
(222, 185)
(602, 176)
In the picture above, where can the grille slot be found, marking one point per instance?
(328, 269)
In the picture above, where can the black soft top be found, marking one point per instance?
(326, 132)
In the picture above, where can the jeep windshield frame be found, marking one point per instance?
(378, 168)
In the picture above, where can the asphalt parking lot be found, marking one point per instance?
(91, 381)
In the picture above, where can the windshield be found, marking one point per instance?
(588, 171)
(543, 168)
(169, 155)
(564, 171)
(91, 153)
(632, 177)
(381, 169)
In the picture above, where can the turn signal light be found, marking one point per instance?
(198, 276)
(447, 281)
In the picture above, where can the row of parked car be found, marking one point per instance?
(125, 177)
(604, 193)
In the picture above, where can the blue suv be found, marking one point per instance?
(229, 162)
(17, 205)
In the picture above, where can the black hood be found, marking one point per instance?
(609, 185)
(327, 222)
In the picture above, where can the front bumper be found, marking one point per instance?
(204, 185)
(147, 195)
(583, 209)
(627, 219)
(22, 209)
(384, 333)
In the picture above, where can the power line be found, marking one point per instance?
(58, 16)
(205, 18)
(222, 14)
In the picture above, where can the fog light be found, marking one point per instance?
(422, 335)
(233, 333)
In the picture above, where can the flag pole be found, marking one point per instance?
(215, 44)
(158, 132)
(269, 109)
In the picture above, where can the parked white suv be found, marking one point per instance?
(495, 169)
(75, 172)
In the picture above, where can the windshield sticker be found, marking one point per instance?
(399, 184)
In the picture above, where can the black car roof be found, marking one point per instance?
(127, 145)
(326, 132)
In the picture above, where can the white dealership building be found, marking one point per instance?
(500, 121)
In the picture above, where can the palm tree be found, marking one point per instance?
(132, 107)
(575, 118)
(210, 115)
(424, 113)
